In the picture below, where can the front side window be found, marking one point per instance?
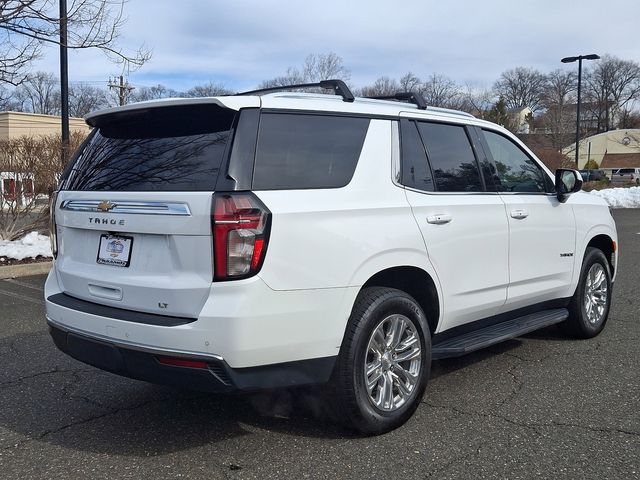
(297, 151)
(516, 171)
(451, 157)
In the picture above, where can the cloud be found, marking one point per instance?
(244, 42)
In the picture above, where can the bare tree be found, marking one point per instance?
(629, 119)
(521, 87)
(154, 92)
(611, 85)
(558, 99)
(39, 93)
(410, 82)
(383, 86)
(29, 168)
(84, 99)
(27, 25)
(559, 88)
(477, 100)
(324, 66)
(441, 91)
(6, 99)
(316, 67)
(210, 89)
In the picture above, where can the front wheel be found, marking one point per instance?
(384, 362)
(589, 306)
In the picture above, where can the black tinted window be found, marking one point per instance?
(307, 151)
(516, 171)
(452, 161)
(165, 149)
(415, 169)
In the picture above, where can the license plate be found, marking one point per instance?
(115, 250)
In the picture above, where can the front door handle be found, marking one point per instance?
(439, 218)
(519, 214)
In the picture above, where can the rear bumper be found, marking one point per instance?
(142, 363)
(244, 322)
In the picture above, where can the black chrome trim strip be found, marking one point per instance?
(129, 207)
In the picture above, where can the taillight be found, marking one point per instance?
(53, 233)
(240, 225)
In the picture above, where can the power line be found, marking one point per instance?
(122, 87)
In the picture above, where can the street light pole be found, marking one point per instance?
(579, 58)
(64, 81)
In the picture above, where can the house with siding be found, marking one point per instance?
(610, 150)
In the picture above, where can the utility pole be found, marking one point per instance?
(123, 89)
(64, 82)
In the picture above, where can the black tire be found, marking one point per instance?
(578, 325)
(373, 307)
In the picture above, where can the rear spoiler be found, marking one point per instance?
(95, 119)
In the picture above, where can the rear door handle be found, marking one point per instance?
(439, 218)
(519, 214)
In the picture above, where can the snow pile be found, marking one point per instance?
(31, 245)
(620, 197)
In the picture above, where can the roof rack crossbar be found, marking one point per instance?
(338, 86)
(412, 97)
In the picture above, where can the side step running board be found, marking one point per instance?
(487, 336)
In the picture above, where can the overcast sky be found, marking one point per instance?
(240, 43)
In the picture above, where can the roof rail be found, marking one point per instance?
(338, 86)
(412, 97)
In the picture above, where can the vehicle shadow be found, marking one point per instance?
(47, 396)
(448, 365)
(52, 398)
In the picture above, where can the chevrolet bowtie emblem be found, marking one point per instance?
(105, 206)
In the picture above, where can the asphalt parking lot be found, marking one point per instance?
(537, 407)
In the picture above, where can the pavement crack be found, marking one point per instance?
(113, 411)
(110, 412)
(535, 426)
(38, 374)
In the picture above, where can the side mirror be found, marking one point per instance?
(567, 182)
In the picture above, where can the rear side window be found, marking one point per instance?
(177, 148)
(415, 168)
(307, 151)
(451, 157)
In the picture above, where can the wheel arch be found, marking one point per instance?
(417, 283)
(606, 245)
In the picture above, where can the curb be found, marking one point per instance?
(25, 270)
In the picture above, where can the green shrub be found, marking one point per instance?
(591, 165)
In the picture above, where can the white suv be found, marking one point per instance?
(259, 241)
(626, 175)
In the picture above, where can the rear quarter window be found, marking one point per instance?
(297, 151)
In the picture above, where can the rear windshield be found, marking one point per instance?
(177, 148)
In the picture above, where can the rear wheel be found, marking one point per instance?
(384, 361)
(589, 307)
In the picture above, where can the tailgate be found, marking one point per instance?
(133, 214)
(167, 263)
